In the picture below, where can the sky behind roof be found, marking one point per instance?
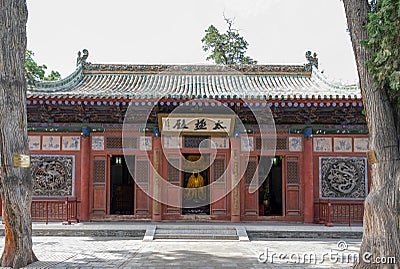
(170, 32)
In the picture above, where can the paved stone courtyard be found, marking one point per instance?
(101, 252)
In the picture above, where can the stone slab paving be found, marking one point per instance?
(98, 252)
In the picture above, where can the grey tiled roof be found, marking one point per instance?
(186, 82)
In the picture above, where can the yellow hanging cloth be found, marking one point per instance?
(193, 184)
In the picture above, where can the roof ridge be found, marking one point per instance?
(195, 68)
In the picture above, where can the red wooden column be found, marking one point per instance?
(85, 164)
(308, 179)
(235, 179)
(156, 215)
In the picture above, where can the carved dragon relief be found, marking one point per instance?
(343, 177)
(52, 175)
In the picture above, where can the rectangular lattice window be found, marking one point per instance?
(292, 171)
(281, 143)
(99, 171)
(130, 142)
(269, 143)
(115, 142)
(219, 169)
(250, 172)
(173, 170)
(142, 171)
(194, 142)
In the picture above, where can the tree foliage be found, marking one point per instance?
(35, 72)
(226, 48)
(384, 40)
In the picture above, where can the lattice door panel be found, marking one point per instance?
(218, 187)
(250, 205)
(142, 176)
(172, 191)
(99, 195)
(292, 186)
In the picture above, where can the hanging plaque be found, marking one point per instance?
(196, 123)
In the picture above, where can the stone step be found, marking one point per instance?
(178, 231)
(196, 233)
(196, 227)
(195, 237)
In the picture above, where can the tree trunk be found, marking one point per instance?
(16, 183)
(381, 237)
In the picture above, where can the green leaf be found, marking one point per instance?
(384, 40)
(228, 48)
(35, 72)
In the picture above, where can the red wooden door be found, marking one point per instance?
(142, 179)
(172, 188)
(218, 187)
(99, 201)
(292, 186)
(250, 182)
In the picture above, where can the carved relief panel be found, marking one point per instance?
(343, 177)
(52, 175)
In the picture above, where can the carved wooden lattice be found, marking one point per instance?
(195, 141)
(113, 142)
(173, 171)
(99, 171)
(292, 171)
(269, 143)
(142, 171)
(219, 169)
(130, 142)
(250, 172)
(281, 143)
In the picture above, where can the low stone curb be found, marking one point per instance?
(134, 234)
(263, 235)
(252, 235)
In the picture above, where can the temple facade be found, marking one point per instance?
(200, 142)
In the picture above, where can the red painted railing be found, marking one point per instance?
(329, 212)
(65, 209)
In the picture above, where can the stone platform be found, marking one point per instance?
(220, 230)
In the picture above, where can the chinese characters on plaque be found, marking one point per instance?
(197, 124)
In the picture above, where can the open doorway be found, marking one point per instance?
(270, 192)
(121, 187)
(195, 179)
